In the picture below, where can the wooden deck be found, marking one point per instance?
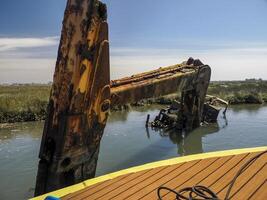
(216, 172)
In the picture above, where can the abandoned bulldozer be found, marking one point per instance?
(82, 95)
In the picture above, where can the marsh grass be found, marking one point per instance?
(25, 102)
(28, 102)
(240, 92)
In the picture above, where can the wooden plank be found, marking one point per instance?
(96, 181)
(182, 177)
(192, 175)
(115, 184)
(135, 183)
(93, 188)
(226, 168)
(245, 177)
(153, 187)
(101, 186)
(252, 184)
(205, 173)
(228, 165)
(261, 193)
(215, 173)
(220, 178)
(131, 188)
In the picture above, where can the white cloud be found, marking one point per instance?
(234, 62)
(7, 44)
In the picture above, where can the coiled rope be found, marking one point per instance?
(200, 192)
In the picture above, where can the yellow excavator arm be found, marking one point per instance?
(82, 95)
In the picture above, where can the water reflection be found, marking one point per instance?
(153, 146)
(249, 108)
(20, 130)
(187, 143)
(19, 148)
(194, 139)
(118, 116)
(122, 116)
(190, 142)
(126, 143)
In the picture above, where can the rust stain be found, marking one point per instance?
(82, 95)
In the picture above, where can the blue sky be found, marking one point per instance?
(229, 35)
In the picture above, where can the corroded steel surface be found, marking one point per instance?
(190, 79)
(81, 96)
(79, 100)
(153, 83)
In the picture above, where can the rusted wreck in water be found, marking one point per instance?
(173, 117)
(82, 95)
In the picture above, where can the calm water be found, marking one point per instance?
(126, 143)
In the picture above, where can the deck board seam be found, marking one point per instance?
(90, 188)
(189, 178)
(192, 176)
(242, 159)
(226, 172)
(175, 176)
(180, 165)
(99, 184)
(254, 174)
(263, 183)
(159, 178)
(234, 174)
(120, 184)
(146, 185)
(202, 179)
(216, 170)
(111, 180)
(128, 182)
(225, 161)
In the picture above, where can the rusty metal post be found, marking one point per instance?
(193, 98)
(81, 96)
(79, 101)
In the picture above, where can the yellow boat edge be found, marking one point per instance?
(74, 188)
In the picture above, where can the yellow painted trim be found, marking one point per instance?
(84, 184)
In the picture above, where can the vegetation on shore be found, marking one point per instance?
(23, 102)
(28, 102)
(250, 91)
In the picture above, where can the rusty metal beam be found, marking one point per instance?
(154, 83)
(191, 79)
(79, 101)
(81, 96)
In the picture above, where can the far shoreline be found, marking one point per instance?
(28, 102)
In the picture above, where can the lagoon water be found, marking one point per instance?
(127, 143)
